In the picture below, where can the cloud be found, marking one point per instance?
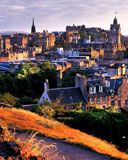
(56, 14)
(16, 7)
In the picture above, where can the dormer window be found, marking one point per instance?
(107, 84)
(98, 99)
(92, 90)
(100, 89)
(119, 93)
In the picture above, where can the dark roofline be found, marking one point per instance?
(62, 88)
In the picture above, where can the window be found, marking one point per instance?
(119, 93)
(100, 89)
(119, 103)
(112, 103)
(92, 90)
(107, 84)
(92, 100)
(126, 102)
(98, 99)
(104, 99)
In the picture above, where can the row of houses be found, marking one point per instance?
(91, 91)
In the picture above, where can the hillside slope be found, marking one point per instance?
(71, 152)
(26, 120)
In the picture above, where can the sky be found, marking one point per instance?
(54, 15)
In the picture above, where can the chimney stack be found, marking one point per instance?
(46, 86)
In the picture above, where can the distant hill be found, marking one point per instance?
(12, 32)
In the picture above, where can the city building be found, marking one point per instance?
(91, 91)
(115, 33)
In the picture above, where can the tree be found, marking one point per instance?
(2, 84)
(126, 54)
(53, 109)
(46, 111)
(8, 100)
(47, 65)
(28, 69)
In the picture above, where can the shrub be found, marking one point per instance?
(53, 109)
(107, 125)
(46, 111)
(26, 100)
(7, 99)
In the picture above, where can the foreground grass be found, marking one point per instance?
(29, 146)
(26, 120)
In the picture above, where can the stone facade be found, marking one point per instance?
(115, 33)
(104, 93)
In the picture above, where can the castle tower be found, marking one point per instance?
(33, 28)
(115, 33)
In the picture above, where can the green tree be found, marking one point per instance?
(53, 109)
(28, 69)
(8, 99)
(47, 65)
(126, 54)
(46, 111)
(3, 87)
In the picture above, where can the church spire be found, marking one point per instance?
(115, 19)
(33, 22)
(33, 28)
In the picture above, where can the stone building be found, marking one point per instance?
(104, 92)
(67, 96)
(48, 40)
(115, 34)
(6, 43)
(91, 91)
(114, 48)
(73, 33)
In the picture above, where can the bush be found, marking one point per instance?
(46, 111)
(7, 99)
(104, 124)
(26, 100)
(54, 109)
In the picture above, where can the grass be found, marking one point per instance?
(26, 120)
(30, 146)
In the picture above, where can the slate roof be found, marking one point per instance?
(94, 83)
(115, 84)
(67, 95)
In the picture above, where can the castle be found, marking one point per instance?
(110, 42)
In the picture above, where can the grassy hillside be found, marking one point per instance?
(26, 120)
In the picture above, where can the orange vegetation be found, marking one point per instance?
(26, 120)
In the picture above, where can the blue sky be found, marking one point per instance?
(16, 15)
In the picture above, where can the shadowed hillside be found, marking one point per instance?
(25, 120)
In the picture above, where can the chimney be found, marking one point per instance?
(46, 86)
(81, 82)
(77, 80)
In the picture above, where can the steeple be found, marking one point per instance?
(115, 20)
(33, 28)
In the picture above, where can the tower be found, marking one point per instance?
(115, 33)
(33, 28)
